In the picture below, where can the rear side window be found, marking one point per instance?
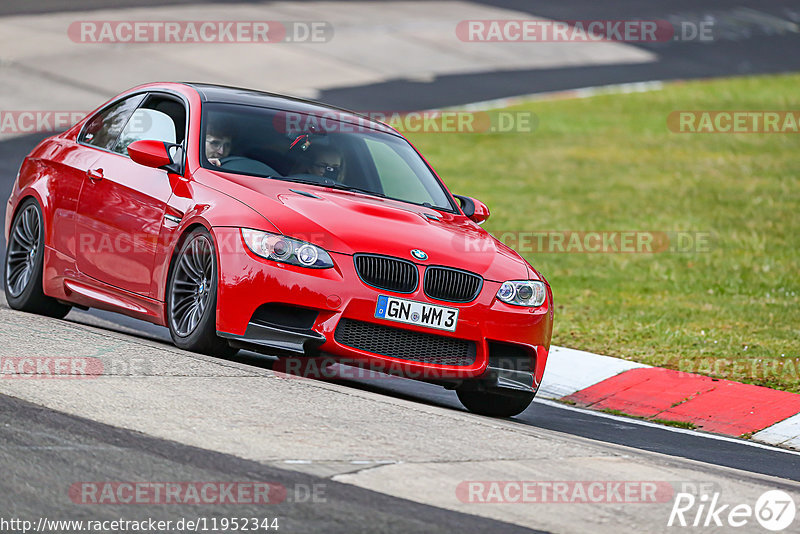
(103, 129)
(159, 118)
(146, 124)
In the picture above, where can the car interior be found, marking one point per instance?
(261, 149)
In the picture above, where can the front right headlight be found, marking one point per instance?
(530, 293)
(284, 249)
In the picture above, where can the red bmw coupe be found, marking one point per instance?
(243, 219)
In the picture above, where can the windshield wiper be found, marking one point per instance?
(295, 180)
(329, 183)
(344, 187)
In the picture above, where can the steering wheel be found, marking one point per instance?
(231, 159)
(246, 165)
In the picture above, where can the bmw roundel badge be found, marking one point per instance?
(418, 254)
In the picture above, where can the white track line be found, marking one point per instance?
(582, 92)
(642, 422)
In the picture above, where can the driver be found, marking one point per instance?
(219, 138)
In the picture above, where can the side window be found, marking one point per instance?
(103, 129)
(158, 119)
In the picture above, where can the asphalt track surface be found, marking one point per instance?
(43, 452)
(750, 38)
(741, 47)
(350, 509)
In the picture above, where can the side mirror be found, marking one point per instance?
(153, 154)
(476, 210)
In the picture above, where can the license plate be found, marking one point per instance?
(418, 313)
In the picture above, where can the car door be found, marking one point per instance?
(72, 160)
(122, 204)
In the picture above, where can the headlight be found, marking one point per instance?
(284, 249)
(531, 293)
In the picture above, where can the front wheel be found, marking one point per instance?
(192, 297)
(25, 262)
(495, 404)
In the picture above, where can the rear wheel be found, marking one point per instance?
(192, 297)
(495, 404)
(24, 264)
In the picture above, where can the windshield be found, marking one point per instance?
(323, 150)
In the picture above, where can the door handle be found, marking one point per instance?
(95, 174)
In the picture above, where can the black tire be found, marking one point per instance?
(495, 404)
(24, 263)
(192, 296)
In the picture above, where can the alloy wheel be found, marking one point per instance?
(191, 285)
(22, 249)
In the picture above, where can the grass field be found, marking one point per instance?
(609, 163)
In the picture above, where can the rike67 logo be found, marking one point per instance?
(774, 510)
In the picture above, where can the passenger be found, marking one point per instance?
(322, 160)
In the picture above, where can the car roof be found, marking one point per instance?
(251, 97)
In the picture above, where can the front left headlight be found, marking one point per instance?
(284, 249)
(531, 293)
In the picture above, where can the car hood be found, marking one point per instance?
(349, 222)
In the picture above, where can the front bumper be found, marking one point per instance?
(248, 282)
